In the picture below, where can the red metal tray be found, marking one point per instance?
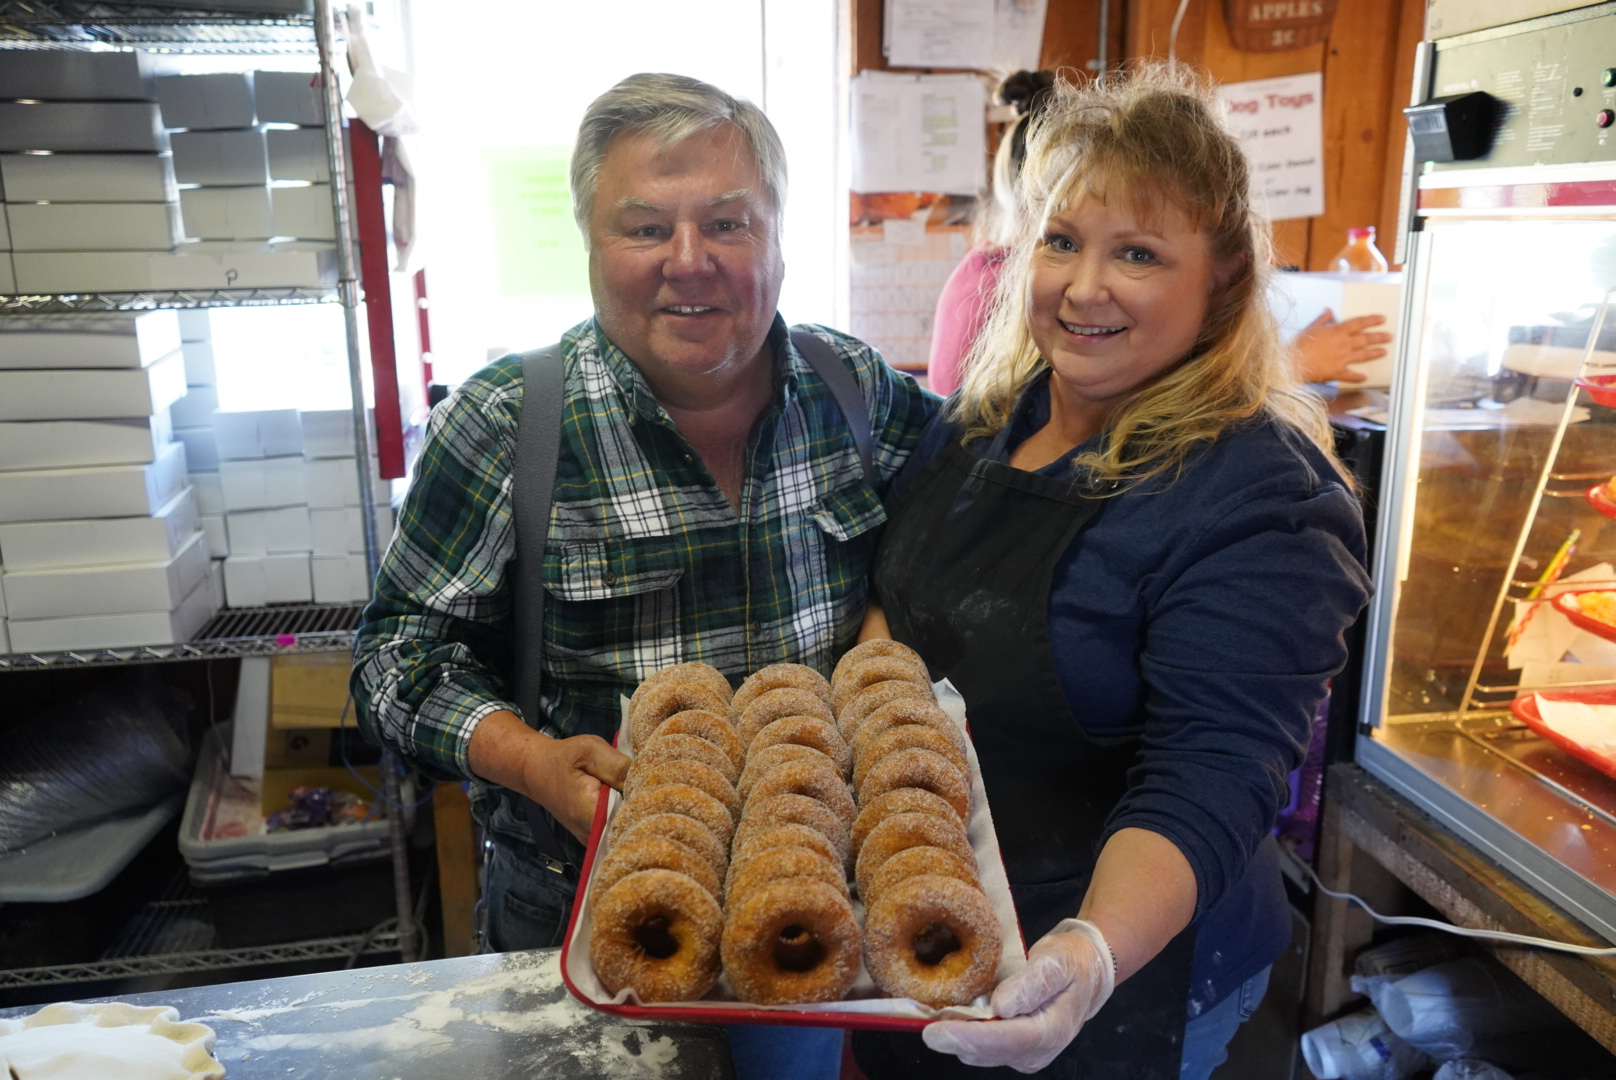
(1599, 498)
(1566, 605)
(1602, 388)
(1526, 711)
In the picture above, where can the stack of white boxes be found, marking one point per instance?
(265, 489)
(99, 532)
(336, 521)
(300, 195)
(192, 418)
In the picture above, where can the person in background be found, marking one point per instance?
(1324, 351)
(1128, 542)
(710, 504)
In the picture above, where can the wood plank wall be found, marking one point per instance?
(1366, 63)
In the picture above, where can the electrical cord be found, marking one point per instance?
(342, 749)
(1461, 931)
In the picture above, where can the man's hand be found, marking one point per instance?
(1326, 349)
(562, 775)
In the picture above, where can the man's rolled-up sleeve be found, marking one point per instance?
(435, 644)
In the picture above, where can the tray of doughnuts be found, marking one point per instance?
(804, 851)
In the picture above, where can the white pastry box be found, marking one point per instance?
(97, 491)
(55, 444)
(256, 580)
(246, 434)
(209, 492)
(282, 531)
(288, 97)
(195, 409)
(103, 226)
(116, 178)
(195, 325)
(226, 213)
(303, 212)
(75, 75)
(264, 483)
(201, 448)
(204, 102)
(220, 157)
(1299, 298)
(120, 589)
(218, 539)
(50, 545)
(200, 369)
(298, 154)
(342, 532)
(88, 341)
(340, 579)
(334, 483)
(81, 125)
(92, 394)
(82, 632)
(328, 433)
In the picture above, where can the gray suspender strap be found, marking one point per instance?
(538, 448)
(832, 370)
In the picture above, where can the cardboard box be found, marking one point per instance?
(256, 580)
(84, 632)
(264, 483)
(340, 579)
(73, 75)
(341, 532)
(1299, 298)
(218, 539)
(248, 435)
(334, 483)
(303, 212)
(120, 589)
(195, 410)
(209, 493)
(99, 340)
(97, 491)
(57, 444)
(82, 125)
(65, 226)
(298, 154)
(195, 325)
(116, 178)
(221, 157)
(200, 369)
(201, 449)
(281, 531)
(289, 97)
(328, 433)
(309, 690)
(91, 394)
(206, 102)
(226, 213)
(51, 545)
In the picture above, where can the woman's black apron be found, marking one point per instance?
(964, 572)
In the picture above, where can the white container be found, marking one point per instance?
(201, 449)
(195, 325)
(91, 394)
(88, 341)
(195, 410)
(1359, 1047)
(200, 369)
(99, 491)
(123, 589)
(48, 74)
(208, 491)
(218, 539)
(340, 579)
(104, 226)
(220, 157)
(79, 633)
(81, 125)
(248, 434)
(298, 154)
(341, 532)
(281, 531)
(226, 213)
(328, 433)
(275, 269)
(1299, 298)
(117, 178)
(334, 483)
(51, 545)
(263, 483)
(206, 102)
(57, 444)
(288, 97)
(8, 279)
(256, 580)
(303, 212)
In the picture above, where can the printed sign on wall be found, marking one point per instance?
(1279, 122)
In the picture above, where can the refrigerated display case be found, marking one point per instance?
(1496, 509)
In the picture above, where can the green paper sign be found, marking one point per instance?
(536, 242)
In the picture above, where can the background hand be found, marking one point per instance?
(1326, 350)
(566, 779)
(1069, 975)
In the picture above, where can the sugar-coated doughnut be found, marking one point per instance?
(904, 737)
(822, 735)
(763, 814)
(912, 862)
(716, 729)
(791, 941)
(778, 864)
(687, 831)
(934, 939)
(906, 831)
(872, 697)
(749, 844)
(675, 799)
(668, 697)
(869, 650)
(663, 747)
(905, 711)
(780, 677)
(658, 933)
(917, 768)
(655, 853)
(877, 669)
(759, 763)
(771, 705)
(695, 671)
(814, 781)
(898, 801)
(642, 777)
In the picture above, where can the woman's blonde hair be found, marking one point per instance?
(1154, 137)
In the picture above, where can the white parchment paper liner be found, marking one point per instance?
(864, 998)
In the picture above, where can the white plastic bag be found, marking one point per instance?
(1455, 1010)
(1470, 1069)
(1360, 1047)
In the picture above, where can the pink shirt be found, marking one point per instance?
(961, 310)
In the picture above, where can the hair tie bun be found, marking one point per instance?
(1027, 91)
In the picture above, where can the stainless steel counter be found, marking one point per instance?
(506, 1017)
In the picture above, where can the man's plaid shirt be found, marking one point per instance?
(646, 565)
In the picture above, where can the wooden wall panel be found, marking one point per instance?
(1409, 34)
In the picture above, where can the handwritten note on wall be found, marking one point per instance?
(1279, 122)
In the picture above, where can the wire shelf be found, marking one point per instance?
(324, 949)
(231, 633)
(74, 24)
(71, 303)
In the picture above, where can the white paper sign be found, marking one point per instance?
(940, 33)
(1279, 122)
(1018, 34)
(919, 133)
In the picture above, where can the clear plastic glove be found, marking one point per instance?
(1069, 975)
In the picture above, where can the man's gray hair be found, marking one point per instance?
(669, 108)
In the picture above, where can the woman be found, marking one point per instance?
(1130, 546)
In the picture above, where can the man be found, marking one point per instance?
(709, 504)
